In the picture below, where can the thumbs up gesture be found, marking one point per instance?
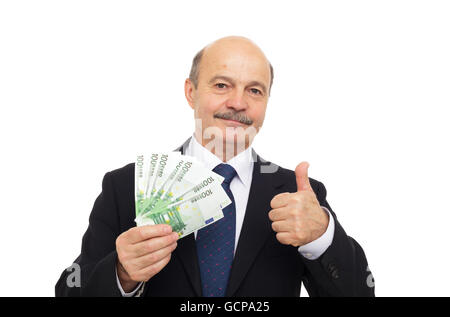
(297, 217)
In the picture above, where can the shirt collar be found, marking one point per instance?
(242, 163)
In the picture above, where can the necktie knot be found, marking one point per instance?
(227, 171)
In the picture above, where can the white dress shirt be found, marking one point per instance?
(240, 187)
(240, 184)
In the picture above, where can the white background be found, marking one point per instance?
(361, 91)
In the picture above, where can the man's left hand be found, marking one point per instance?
(298, 217)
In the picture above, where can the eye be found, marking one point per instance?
(221, 85)
(256, 91)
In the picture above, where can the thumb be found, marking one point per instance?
(301, 174)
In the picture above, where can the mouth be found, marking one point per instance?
(233, 123)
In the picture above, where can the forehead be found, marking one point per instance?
(240, 62)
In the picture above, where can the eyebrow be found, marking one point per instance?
(226, 78)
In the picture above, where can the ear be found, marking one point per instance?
(189, 92)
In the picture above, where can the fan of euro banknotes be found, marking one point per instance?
(176, 189)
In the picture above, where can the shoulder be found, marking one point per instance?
(121, 178)
(122, 172)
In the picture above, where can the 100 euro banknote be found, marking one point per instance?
(177, 190)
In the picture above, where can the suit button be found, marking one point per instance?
(333, 270)
(335, 274)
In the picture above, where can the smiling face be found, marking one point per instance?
(232, 90)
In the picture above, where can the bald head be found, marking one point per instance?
(215, 51)
(235, 42)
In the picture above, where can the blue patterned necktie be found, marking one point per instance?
(215, 243)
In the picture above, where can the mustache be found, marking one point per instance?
(242, 118)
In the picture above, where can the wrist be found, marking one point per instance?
(125, 280)
(321, 225)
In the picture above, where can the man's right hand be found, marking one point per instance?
(143, 252)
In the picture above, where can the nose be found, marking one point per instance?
(236, 100)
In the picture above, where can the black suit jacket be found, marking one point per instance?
(262, 266)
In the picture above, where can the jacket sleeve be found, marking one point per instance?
(342, 270)
(97, 261)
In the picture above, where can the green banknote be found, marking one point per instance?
(177, 190)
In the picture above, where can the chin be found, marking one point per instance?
(237, 137)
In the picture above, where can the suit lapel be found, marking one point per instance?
(256, 226)
(186, 250)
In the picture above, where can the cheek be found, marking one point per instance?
(206, 107)
(211, 105)
(258, 114)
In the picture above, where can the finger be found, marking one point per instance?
(279, 200)
(142, 233)
(146, 273)
(279, 214)
(301, 175)
(285, 238)
(154, 244)
(154, 257)
(282, 226)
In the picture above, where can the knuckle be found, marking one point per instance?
(152, 270)
(160, 228)
(141, 233)
(145, 248)
(168, 240)
(149, 247)
(280, 238)
(160, 243)
(124, 258)
(122, 254)
(273, 215)
(294, 199)
(118, 241)
(121, 240)
(163, 243)
(297, 218)
(275, 200)
(152, 257)
(299, 235)
(274, 226)
(164, 261)
(293, 212)
(130, 231)
(272, 203)
(118, 247)
(157, 230)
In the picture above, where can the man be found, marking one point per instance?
(279, 230)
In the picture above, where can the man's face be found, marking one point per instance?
(232, 91)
